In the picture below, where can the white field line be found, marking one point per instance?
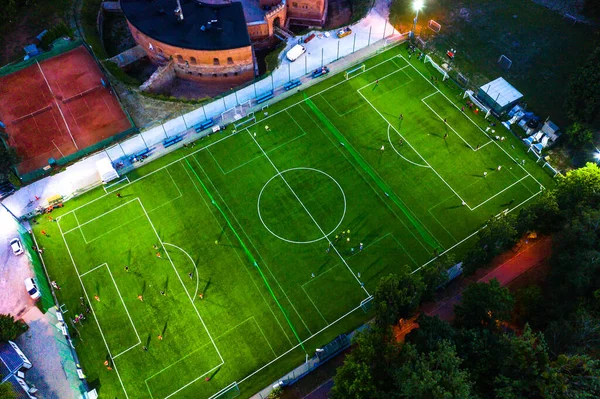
(471, 235)
(397, 152)
(126, 350)
(191, 382)
(180, 280)
(367, 181)
(228, 136)
(89, 271)
(258, 252)
(79, 225)
(92, 308)
(114, 184)
(417, 152)
(308, 213)
(193, 263)
(472, 121)
(314, 304)
(500, 192)
(298, 345)
(442, 119)
(233, 384)
(239, 258)
(122, 301)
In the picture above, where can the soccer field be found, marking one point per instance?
(221, 267)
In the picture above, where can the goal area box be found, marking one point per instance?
(354, 71)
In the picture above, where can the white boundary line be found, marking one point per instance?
(106, 187)
(92, 308)
(124, 306)
(229, 136)
(193, 263)
(397, 152)
(308, 213)
(500, 192)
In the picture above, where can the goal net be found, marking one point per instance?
(354, 71)
(437, 67)
(504, 62)
(246, 121)
(367, 304)
(479, 104)
(434, 26)
(462, 79)
(232, 114)
(551, 169)
(230, 391)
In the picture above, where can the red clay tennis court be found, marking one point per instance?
(54, 108)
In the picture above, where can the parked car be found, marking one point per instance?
(295, 52)
(16, 246)
(32, 288)
(344, 32)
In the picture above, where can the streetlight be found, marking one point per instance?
(597, 155)
(417, 6)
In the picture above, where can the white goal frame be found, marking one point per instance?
(436, 66)
(434, 26)
(349, 72)
(504, 60)
(470, 94)
(231, 113)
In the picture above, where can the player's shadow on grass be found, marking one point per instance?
(203, 291)
(164, 330)
(148, 340)
(166, 285)
(143, 287)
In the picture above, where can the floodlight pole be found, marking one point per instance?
(415, 23)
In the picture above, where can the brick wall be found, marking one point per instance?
(313, 10)
(234, 65)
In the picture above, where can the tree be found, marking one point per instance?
(521, 371)
(583, 95)
(578, 187)
(431, 331)
(498, 235)
(572, 377)
(543, 215)
(580, 134)
(10, 328)
(483, 305)
(8, 159)
(435, 274)
(529, 306)
(368, 371)
(6, 391)
(397, 297)
(433, 375)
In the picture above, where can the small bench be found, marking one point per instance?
(172, 140)
(320, 72)
(264, 97)
(291, 84)
(203, 125)
(139, 156)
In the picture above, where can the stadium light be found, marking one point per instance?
(417, 6)
(597, 155)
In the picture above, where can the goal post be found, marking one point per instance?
(232, 114)
(367, 304)
(441, 70)
(354, 71)
(243, 122)
(504, 62)
(230, 391)
(479, 104)
(434, 26)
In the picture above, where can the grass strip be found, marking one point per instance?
(247, 252)
(429, 239)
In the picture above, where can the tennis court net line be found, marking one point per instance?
(32, 114)
(83, 93)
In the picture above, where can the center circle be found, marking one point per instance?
(301, 205)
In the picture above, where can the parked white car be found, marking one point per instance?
(32, 288)
(16, 246)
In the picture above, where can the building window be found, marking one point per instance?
(235, 74)
(230, 60)
(295, 5)
(199, 74)
(180, 59)
(214, 75)
(193, 60)
(224, 75)
(189, 72)
(160, 50)
(215, 61)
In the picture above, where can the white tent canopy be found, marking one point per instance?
(501, 93)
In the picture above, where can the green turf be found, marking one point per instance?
(247, 215)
